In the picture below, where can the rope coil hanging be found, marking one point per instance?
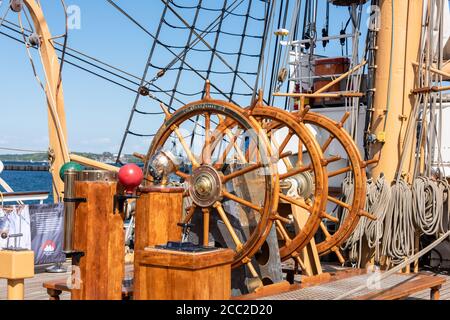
(428, 205)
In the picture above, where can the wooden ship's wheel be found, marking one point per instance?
(303, 179)
(213, 190)
(351, 208)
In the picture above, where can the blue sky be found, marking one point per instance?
(96, 110)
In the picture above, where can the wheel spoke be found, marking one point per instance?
(299, 203)
(325, 231)
(338, 172)
(285, 160)
(233, 137)
(282, 219)
(242, 172)
(206, 213)
(246, 203)
(283, 232)
(302, 266)
(186, 148)
(293, 172)
(207, 147)
(226, 221)
(339, 202)
(190, 213)
(328, 143)
(181, 139)
(285, 142)
(329, 217)
(183, 175)
(300, 153)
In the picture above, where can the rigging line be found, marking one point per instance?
(177, 57)
(183, 59)
(138, 96)
(210, 31)
(214, 10)
(201, 38)
(211, 61)
(206, 71)
(85, 61)
(22, 150)
(270, 11)
(4, 16)
(141, 135)
(97, 74)
(216, 42)
(232, 34)
(277, 50)
(66, 35)
(149, 113)
(77, 52)
(250, 55)
(241, 46)
(48, 93)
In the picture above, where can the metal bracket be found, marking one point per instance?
(75, 200)
(119, 201)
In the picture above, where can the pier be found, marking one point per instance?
(27, 167)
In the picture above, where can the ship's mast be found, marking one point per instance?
(394, 80)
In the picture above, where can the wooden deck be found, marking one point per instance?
(35, 291)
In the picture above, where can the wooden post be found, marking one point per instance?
(99, 237)
(158, 211)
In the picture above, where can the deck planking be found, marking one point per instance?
(35, 291)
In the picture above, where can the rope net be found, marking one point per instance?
(197, 40)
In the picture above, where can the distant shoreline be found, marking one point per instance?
(105, 157)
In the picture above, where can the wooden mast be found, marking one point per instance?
(58, 149)
(394, 81)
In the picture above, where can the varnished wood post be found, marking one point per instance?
(158, 211)
(99, 237)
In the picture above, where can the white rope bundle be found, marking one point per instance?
(352, 242)
(377, 200)
(399, 231)
(428, 205)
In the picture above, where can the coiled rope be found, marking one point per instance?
(377, 199)
(428, 205)
(399, 231)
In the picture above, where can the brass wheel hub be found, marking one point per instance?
(205, 187)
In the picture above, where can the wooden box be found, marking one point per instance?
(174, 275)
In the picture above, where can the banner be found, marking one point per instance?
(47, 233)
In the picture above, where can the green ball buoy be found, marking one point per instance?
(69, 166)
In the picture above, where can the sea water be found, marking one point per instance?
(28, 181)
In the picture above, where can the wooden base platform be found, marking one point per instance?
(331, 286)
(35, 291)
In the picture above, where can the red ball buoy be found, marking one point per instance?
(130, 176)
